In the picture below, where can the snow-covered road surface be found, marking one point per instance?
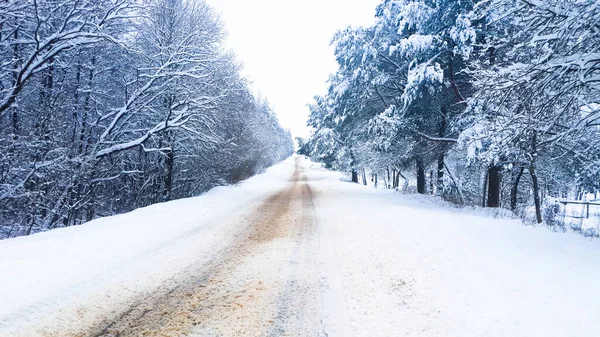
(298, 251)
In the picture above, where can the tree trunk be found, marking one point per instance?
(534, 181)
(354, 176)
(90, 210)
(485, 184)
(431, 185)
(494, 184)
(388, 178)
(169, 163)
(76, 112)
(515, 189)
(45, 105)
(441, 134)
(85, 130)
(354, 171)
(364, 177)
(536, 194)
(398, 175)
(440, 175)
(420, 177)
(17, 56)
(31, 224)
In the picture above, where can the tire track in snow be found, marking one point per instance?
(208, 300)
(299, 305)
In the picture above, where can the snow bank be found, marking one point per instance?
(410, 268)
(113, 259)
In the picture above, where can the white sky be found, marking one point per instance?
(284, 46)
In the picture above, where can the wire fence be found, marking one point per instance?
(581, 216)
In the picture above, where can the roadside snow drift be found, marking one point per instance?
(113, 259)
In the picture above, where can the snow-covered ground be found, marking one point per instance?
(101, 266)
(301, 251)
(415, 268)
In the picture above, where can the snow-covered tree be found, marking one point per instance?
(474, 90)
(538, 77)
(106, 106)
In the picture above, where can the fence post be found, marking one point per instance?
(587, 212)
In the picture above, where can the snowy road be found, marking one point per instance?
(297, 251)
(262, 284)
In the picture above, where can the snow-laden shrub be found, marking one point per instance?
(551, 214)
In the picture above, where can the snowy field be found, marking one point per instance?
(356, 261)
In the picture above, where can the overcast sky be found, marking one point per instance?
(284, 46)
